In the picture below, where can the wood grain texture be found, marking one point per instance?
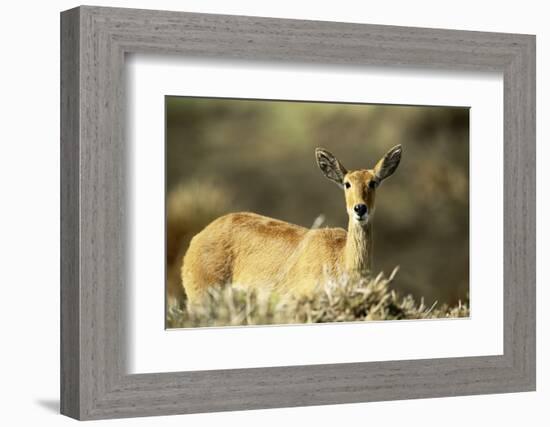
(95, 274)
(70, 292)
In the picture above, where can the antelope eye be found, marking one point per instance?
(373, 184)
(347, 184)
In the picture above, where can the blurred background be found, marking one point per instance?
(227, 155)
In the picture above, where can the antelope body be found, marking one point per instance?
(251, 251)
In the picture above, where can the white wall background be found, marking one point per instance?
(29, 211)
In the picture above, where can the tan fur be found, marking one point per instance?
(247, 250)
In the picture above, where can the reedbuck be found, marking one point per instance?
(251, 251)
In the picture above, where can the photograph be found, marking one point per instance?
(285, 212)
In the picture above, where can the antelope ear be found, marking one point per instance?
(388, 164)
(330, 166)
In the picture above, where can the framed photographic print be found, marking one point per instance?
(261, 213)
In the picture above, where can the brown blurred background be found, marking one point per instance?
(227, 155)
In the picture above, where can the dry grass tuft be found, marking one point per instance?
(351, 299)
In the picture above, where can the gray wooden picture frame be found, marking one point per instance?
(94, 41)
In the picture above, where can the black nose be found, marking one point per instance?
(360, 209)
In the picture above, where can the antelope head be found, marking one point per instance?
(360, 185)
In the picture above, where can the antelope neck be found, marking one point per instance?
(358, 249)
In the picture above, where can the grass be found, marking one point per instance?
(351, 299)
